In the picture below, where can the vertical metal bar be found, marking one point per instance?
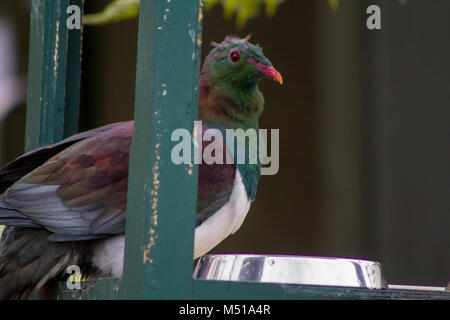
(53, 74)
(162, 196)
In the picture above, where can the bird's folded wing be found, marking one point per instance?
(16, 169)
(80, 193)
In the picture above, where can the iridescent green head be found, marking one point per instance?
(237, 63)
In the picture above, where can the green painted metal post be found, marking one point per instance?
(53, 74)
(162, 196)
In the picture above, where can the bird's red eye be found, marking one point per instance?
(235, 56)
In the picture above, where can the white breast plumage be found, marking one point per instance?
(224, 222)
(108, 253)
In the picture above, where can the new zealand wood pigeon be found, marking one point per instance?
(65, 204)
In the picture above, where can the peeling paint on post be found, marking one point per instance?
(54, 74)
(162, 196)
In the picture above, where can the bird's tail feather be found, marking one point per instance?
(12, 217)
(28, 260)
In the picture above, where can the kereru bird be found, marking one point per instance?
(65, 204)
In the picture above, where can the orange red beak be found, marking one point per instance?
(271, 73)
(275, 75)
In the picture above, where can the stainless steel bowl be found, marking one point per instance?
(287, 269)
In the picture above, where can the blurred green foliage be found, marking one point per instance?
(334, 4)
(244, 9)
(118, 10)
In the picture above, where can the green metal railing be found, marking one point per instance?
(161, 196)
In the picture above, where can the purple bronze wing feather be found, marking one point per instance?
(80, 191)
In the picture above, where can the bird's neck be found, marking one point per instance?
(225, 105)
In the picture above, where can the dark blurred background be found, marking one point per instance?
(364, 119)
